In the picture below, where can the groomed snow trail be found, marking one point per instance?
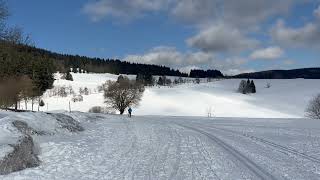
(154, 147)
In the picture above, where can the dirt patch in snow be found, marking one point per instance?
(68, 122)
(25, 129)
(23, 156)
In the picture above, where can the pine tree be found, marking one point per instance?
(242, 87)
(160, 81)
(248, 87)
(69, 76)
(253, 87)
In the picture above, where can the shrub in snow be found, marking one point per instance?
(247, 87)
(68, 76)
(96, 109)
(77, 98)
(268, 85)
(313, 109)
(62, 92)
(86, 91)
(41, 103)
(197, 81)
(123, 93)
(168, 82)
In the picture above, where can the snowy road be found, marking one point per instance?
(151, 147)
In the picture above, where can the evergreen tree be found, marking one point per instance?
(41, 103)
(248, 87)
(253, 87)
(160, 81)
(69, 76)
(242, 87)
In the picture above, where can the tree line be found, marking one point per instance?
(198, 73)
(23, 76)
(305, 73)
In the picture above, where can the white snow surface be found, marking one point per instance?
(284, 99)
(163, 147)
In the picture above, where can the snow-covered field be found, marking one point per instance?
(160, 147)
(256, 136)
(284, 99)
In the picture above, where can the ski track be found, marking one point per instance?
(116, 147)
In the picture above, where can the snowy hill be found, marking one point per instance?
(284, 99)
(160, 147)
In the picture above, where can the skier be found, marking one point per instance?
(129, 111)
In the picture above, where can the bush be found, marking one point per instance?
(96, 109)
(68, 76)
(77, 98)
(313, 109)
(41, 103)
(99, 109)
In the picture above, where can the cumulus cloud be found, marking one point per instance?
(316, 12)
(267, 53)
(246, 13)
(221, 38)
(171, 57)
(124, 9)
(306, 36)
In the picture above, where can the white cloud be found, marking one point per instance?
(248, 12)
(240, 14)
(123, 9)
(306, 36)
(267, 53)
(221, 38)
(316, 12)
(169, 56)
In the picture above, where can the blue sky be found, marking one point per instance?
(210, 34)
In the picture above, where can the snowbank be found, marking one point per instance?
(21, 131)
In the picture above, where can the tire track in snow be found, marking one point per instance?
(272, 144)
(206, 154)
(178, 157)
(252, 166)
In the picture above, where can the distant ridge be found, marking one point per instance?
(306, 73)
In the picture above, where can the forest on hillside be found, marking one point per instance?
(305, 73)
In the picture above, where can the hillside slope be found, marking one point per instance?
(284, 99)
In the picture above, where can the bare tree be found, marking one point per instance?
(313, 109)
(14, 35)
(13, 90)
(123, 94)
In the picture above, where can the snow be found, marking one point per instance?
(256, 136)
(164, 147)
(284, 99)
